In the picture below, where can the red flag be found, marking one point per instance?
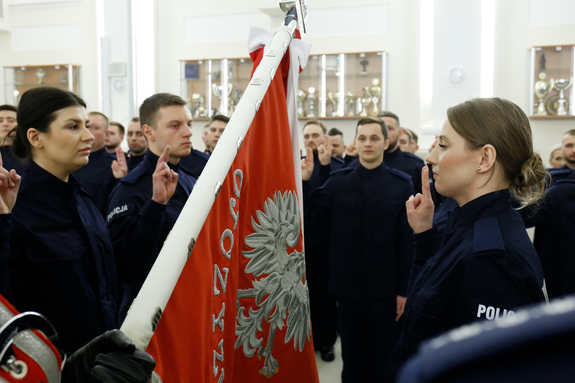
(240, 310)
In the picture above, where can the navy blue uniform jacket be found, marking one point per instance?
(61, 257)
(481, 265)
(139, 226)
(195, 162)
(371, 241)
(408, 163)
(97, 178)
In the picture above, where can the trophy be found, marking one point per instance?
(350, 99)
(375, 92)
(219, 92)
(365, 101)
(300, 98)
(542, 88)
(16, 96)
(40, 74)
(331, 98)
(561, 85)
(312, 105)
(199, 110)
(364, 63)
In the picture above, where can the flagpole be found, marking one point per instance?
(153, 297)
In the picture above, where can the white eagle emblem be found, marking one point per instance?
(281, 297)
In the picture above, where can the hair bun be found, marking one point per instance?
(530, 184)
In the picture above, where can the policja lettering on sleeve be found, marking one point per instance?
(492, 313)
(118, 210)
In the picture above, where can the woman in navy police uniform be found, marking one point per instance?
(481, 265)
(56, 243)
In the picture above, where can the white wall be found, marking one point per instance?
(194, 29)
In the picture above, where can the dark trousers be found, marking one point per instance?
(368, 332)
(323, 304)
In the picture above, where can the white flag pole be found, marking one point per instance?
(153, 297)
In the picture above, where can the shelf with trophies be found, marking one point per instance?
(552, 82)
(347, 85)
(22, 78)
(214, 86)
(331, 86)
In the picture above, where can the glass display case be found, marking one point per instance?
(19, 79)
(551, 82)
(331, 86)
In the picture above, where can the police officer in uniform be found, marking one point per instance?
(371, 246)
(60, 254)
(396, 158)
(100, 176)
(481, 265)
(323, 305)
(147, 202)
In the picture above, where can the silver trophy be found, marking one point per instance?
(311, 102)
(300, 99)
(331, 98)
(365, 101)
(542, 89)
(375, 92)
(40, 74)
(350, 100)
(561, 85)
(219, 92)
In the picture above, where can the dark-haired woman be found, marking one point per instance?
(481, 264)
(60, 255)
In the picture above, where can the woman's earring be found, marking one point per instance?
(479, 169)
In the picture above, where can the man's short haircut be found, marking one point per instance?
(408, 133)
(386, 113)
(570, 132)
(121, 128)
(11, 108)
(150, 107)
(414, 136)
(335, 132)
(102, 115)
(373, 120)
(220, 117)
(135, 119)
(315, 122)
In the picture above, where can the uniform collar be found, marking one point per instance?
(365, 172)
(35, 175)
(485, 206)
(396, 153)
(153, 159)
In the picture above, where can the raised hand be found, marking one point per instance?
(120, 166)
(351, 149)
(164, 179)
(9, 185)
(420, 208)
(324, 151)
(307, 165)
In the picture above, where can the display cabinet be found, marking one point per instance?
(331, 86)
(19, 79)
(551, 81)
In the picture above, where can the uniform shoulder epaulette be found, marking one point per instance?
(338, 160)
(560, 171)
(346, 169)
(133, 176)
(400, 173)
(414, 157)
(487, 235)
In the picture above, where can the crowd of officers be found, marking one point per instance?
(78, 251)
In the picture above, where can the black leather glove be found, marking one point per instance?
(111, 357)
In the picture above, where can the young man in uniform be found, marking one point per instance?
(322, 303)
(136, 142)
(7, 124)
(100, 176)
(371, 247)
(114, 137)
(216, 128)
(395, 157)
(147, 202)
